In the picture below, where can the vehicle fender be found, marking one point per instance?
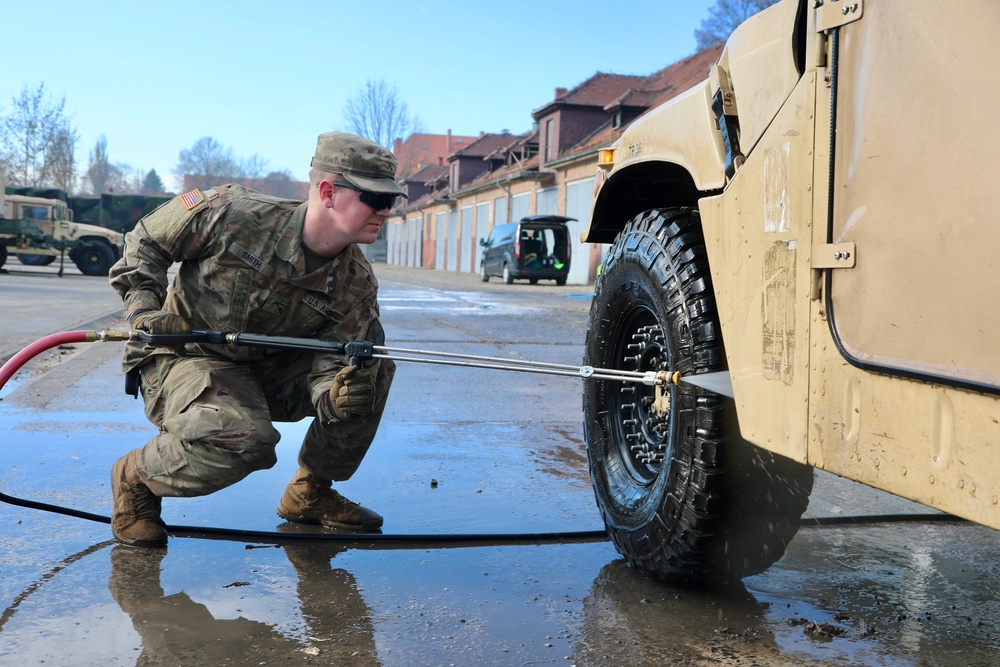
(669, 157)
(675, 154)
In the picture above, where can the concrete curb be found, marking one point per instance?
(107, 320)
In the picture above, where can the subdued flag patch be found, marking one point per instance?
(192, 199)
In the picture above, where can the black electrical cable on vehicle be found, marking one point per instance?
(361, 350)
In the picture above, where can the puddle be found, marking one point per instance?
(448, 303)
(891, 594)
(458, 452)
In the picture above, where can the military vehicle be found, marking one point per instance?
(39, 230)
(116, 211)
(814, 222)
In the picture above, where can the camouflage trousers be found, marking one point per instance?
(215, 418)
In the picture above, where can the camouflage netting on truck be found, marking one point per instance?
(44, 193)
(119, 212)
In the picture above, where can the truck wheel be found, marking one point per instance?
(93, 258)
(3, 255)
(507, 278)
(684, 498)
(485, 277)
(29, 259)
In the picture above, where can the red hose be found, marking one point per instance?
(39, 346)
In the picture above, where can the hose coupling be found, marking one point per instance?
(109, 336)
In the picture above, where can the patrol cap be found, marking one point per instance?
(360, 161)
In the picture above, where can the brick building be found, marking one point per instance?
(548, 170)
(425, 150)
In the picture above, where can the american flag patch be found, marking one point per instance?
(192, 199)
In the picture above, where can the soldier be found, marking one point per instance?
(259, 264)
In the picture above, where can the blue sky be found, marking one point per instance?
(267, 77)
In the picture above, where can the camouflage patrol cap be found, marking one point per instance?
(360, 161)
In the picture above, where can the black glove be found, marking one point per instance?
(352, 395)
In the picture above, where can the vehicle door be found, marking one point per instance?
(914, 199)
(489, 257)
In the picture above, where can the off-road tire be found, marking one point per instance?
(684, 498)
(31, 259)
(94, 258)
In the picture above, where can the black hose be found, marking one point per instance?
(465, 539)
(471, 539)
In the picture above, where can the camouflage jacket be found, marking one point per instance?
(242, 269)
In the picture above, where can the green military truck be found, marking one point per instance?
(815, 224)
(40, 230)
(116, 211)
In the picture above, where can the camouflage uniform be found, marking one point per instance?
(243, 269)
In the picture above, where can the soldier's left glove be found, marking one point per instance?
(160, 322)
(352, 395)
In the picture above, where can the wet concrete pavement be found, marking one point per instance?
(461, 451)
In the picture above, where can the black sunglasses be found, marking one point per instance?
(377, 200)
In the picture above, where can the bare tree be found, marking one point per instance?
(37, 142)
(252, 169)
(128, 179)
(62, 157)
(209, 162)
(378, 112)
(98, 167)
(723, 17)
(279, 184)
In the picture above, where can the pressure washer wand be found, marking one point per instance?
(363, 350)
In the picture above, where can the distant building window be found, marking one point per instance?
(616, 120)
(550, 139)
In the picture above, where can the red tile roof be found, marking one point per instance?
(427, 174)
(659, 87)
(422, 149)
(598, 90)
(484, 146)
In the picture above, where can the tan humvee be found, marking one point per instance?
(817, 220)
(39, 230)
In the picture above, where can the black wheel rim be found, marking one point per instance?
(643, 437)
(90, 259)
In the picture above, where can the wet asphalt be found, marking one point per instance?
(461, 451)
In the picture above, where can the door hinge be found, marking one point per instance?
(834, 256)
(726, 117)
(835, 13)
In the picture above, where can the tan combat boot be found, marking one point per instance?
(135, 518)
(309, 499)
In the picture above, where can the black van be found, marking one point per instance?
(536, 248)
